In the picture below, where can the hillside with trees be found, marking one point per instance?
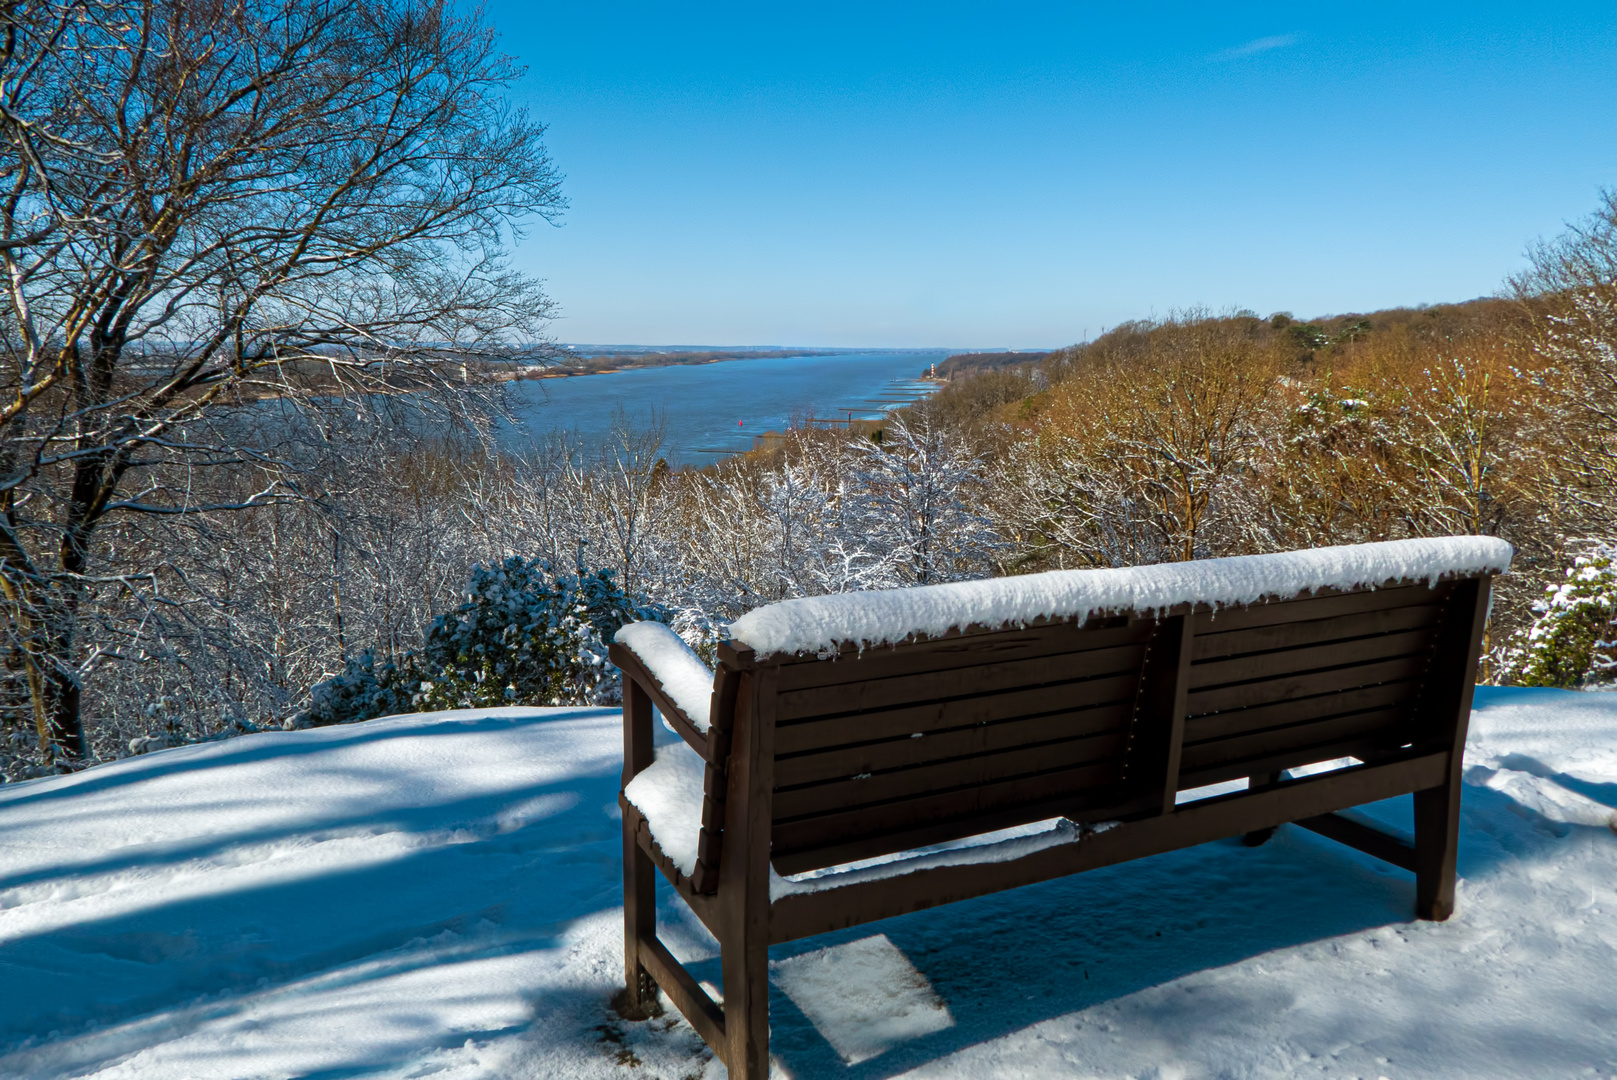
(253, 320)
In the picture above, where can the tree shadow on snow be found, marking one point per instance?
(118, 984)
(262, 747)
(269, 744)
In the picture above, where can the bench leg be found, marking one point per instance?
(1259, 837)
(1437, 842)
(744, 958)
(639, 997)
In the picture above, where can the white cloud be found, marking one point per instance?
(1258, 45)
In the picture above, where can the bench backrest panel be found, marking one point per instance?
(919, 743)
(1290, 683)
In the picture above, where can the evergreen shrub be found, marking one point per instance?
(525, 635)
(1571, 640)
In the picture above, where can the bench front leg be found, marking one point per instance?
(639, 886)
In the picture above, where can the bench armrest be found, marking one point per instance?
(673, 676)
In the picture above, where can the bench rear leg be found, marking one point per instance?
(1437, 843)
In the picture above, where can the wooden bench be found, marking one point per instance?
(847, 728)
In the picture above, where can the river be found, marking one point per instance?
(712, 410)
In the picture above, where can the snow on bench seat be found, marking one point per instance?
(823, 623)
(668, 794)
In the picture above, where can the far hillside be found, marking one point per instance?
(974, 363)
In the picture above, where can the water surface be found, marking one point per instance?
(711, 410)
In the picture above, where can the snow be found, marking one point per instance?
(821, 623)
(684, 678)
(1002, 845)
(440, 895)
(668, 794)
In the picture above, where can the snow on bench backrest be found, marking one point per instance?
(823, 623)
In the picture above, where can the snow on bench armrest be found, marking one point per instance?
(684, 678)
(668, 794)
(823, 623)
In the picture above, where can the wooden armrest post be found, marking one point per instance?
(639, 886)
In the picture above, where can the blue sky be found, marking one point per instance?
(1023, 175)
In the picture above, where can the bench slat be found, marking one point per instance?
(937, 745)
(1300, 737)
(936, 716)
(863, 830)
(1200, 729)
(1327, 606)
(1306, 684)
(1363, 748)
(849, 793)
(1243, 669)
(957, 682)
(963, 650)
(1260, 639)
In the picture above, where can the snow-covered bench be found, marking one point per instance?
(861, 756)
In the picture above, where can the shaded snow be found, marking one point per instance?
(684, 678)
(818, 623)
(439, 895)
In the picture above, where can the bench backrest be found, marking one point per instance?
(901, 746)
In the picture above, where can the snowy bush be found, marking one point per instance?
(1570, 641)
(525, 635)
(358, 692)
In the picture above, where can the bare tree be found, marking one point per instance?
(209, 207)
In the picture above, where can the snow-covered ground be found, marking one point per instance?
(438, 896)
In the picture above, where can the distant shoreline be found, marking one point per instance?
(612, 363)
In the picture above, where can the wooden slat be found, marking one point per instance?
(684, 991)
(1200, 729)
(1312, 658)
(979, 738)
(826, 829)
(1366, 838)
(1365, 749)
(965, 650)
(1263, 744)
(1305, 684)
(804, 914)
(922, 780)
(1316, 607)
(804, 737)
(1088, 808)
(1315, 631)
(957, 682)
